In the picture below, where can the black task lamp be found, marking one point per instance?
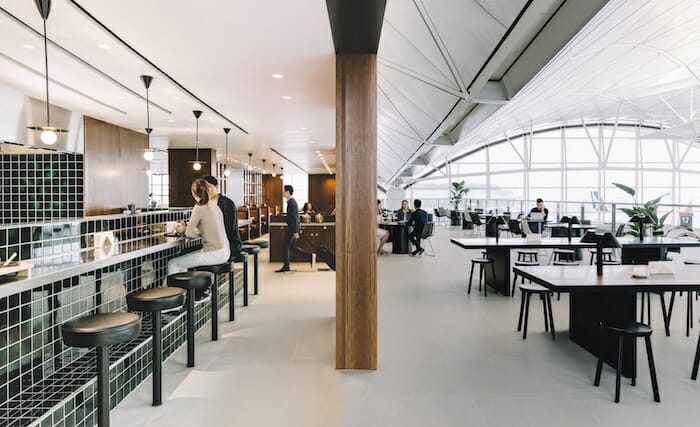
(641, 219)
(602, 241)
(573, 221)
(497, 220)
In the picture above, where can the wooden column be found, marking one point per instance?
(356, 189)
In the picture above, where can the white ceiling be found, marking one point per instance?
(224, 52)
(635, 61)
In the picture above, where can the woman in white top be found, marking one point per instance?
(207, 217)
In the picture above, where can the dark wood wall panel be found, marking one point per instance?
(115, 171)
(356, 257)
(272, 192)
(322, 192)
(181, 173)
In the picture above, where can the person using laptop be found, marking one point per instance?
(540, 210)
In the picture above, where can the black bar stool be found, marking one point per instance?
(607, 255)
(255, 251)
(262, 244)
(154, 301)
(563, 255)
(696, 362)
(526, 290)
(483, 262)
(101, 331)
(531, 255)
(190, 281)
(225, 268)
(628, 329)
(515, 275)
(243, 257)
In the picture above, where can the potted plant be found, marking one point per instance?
(458, 191)
(649, 209)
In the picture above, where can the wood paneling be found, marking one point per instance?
(356, 258)
(322, 192)
(115, 171)
(181, 173)
(272, 192)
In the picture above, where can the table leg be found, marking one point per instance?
(501, 258)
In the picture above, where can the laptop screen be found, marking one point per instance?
(536, 216)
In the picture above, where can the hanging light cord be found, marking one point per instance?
(196, 135)
(46, 70)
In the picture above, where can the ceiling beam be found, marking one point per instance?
(356, 25)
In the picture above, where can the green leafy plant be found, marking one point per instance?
(649, 209)
(458, 192)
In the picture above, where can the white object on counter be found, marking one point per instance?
(661, 267)
(103, 238)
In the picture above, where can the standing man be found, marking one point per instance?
(418, 219)
(228, 208)
(293, 229)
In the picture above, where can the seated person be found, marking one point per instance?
(382, 234)
(404, 213)
(418, 219)
(540, 209)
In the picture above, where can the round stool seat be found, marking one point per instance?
(526, 263)
(618, 262)
(251, 249)
(258, 242)
(240, 257)
(534, 288)
(564, 251)
(224, 268)
(101, 330)
(527, 252)
(482, 260)
(565, 263)
(156, 299)
(191, 280)
(627, 328)
(692, 262)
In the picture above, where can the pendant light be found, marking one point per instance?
(49, 134)
(263, 170)
(197, 165)
(274, 174)
(250, 161)
(281, 172)
(227, 172)
(148, 154)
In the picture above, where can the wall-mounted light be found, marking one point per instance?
(49, 134)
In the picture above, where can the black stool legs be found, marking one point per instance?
(231, 297)
(157, 358)
(255, 273)
(215, 309)
(190, 327)
(694, 375)
(102, 386)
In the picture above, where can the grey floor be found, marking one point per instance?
(445, 359)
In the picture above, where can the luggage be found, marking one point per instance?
(323, 253)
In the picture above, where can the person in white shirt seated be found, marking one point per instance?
(382, 235)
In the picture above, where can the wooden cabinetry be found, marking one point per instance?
(317, 234)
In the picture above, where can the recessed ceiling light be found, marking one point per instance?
(104, 46)
(28, 46)
(303, 128)
(318, 152)
(171, 120)
(286, 97)
(121, 97)
(312, 142)
(176, 97)
(278, 76)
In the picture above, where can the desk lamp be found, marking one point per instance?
(572, 221)
(641, 219)
(604, 241)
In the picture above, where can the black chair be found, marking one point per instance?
(262, 244)
(153, 301)
(255, 251)
(514, 228)
(515, 274)
(190, 281)
(482, 262)
(531, 255)
(563, 255)
(101, 331)
(628, 329)
(607, 255)
(476, 220)
(526, 290)
(427, 234)
(225, 268)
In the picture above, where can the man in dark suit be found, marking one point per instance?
(418, 219)
(293, 229)
(228, 208)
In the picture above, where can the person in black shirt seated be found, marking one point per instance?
(404, 213)
(418, 219)
(540, 209)
(228, 208)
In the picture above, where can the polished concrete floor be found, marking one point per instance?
(445, 359)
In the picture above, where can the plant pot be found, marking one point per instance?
(455, 218)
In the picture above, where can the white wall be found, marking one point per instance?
(234, 185)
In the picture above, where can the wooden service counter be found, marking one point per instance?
(318, 233)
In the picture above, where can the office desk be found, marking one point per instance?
(612, 296)
(500, 253)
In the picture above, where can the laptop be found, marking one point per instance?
(537, 216)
